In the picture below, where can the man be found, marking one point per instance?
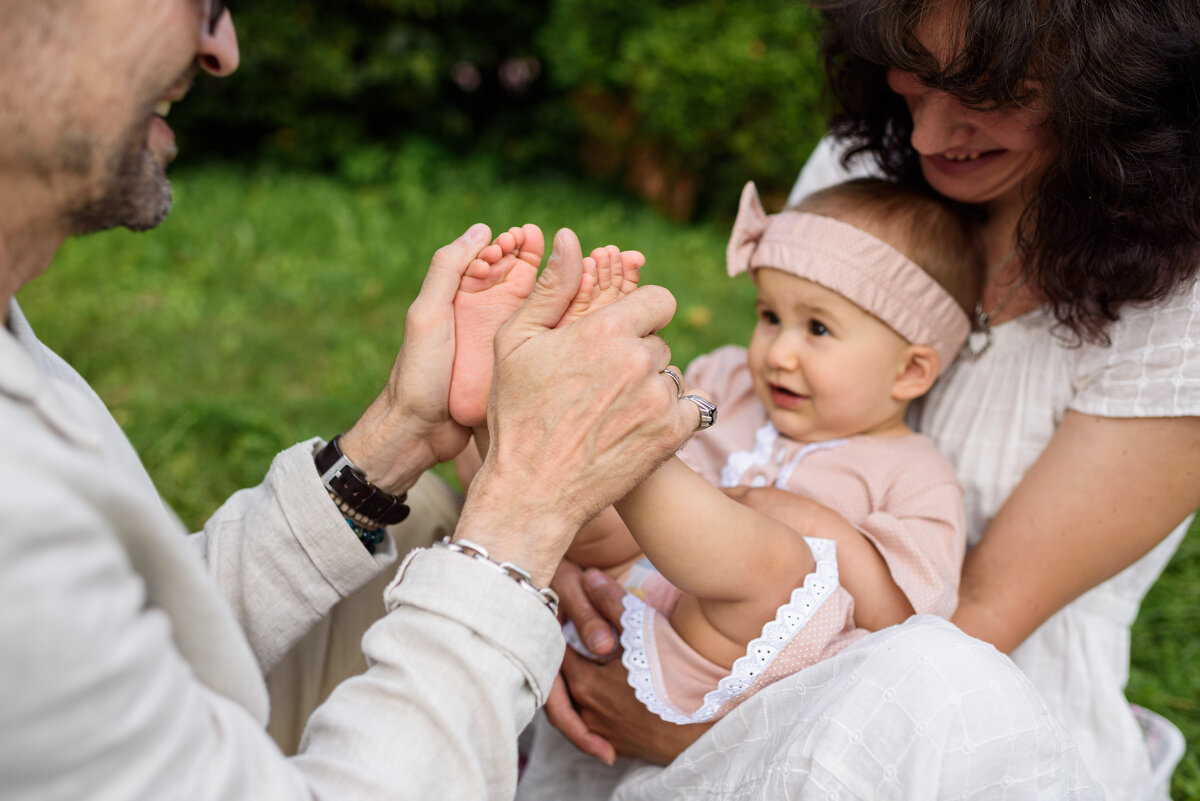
(131, 668)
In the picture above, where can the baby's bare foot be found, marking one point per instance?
(609, 273)
(492, 288)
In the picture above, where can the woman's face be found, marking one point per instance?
(973, 156)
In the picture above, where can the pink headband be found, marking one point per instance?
(867, 271)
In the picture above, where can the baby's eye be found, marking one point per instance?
(769, 317)
(817, 329)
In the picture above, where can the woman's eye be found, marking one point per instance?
(817, 329)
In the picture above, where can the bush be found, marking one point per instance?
(320, 80)
(689, 100)
(680, 101)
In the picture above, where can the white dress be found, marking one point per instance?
(992, 418)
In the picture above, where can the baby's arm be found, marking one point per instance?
(735, 565)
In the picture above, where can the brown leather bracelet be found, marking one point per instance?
(347, 481)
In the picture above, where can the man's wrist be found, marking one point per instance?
(392, 463)
(366, 507)
(524, 579)
(516, 526)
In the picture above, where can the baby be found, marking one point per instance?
(864, 526)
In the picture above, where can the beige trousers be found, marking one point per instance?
(332, 651)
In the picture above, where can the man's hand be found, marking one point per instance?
(578, 415)
(408, 429)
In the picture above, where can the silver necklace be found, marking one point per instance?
(980, 338)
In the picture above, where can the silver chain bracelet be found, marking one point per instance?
(476, 551)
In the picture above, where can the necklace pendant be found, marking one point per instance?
(978, 341)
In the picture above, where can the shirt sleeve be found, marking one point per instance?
(1152, 367)
(97, 701)
(283, 556)
(920, 528)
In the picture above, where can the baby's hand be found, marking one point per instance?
(787, 507)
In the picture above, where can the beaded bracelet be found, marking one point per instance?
(369, 532)
(476, 551)
(357, 517)
(369, 537)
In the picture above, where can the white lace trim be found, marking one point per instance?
(760, 456)
(637, 638)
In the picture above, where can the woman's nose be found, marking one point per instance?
(940, 123)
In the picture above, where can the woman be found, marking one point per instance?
(1075, 420)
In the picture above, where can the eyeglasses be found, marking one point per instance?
(215, 9)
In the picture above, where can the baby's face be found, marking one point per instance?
(822, 367)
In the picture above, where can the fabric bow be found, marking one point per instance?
(748, 230)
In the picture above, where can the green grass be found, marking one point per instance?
(270, 306)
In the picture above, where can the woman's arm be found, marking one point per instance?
(1099, 497)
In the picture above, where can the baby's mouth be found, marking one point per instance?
(783, 393)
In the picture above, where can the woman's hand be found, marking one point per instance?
(602, 716)
(596, 632)
(408, 429)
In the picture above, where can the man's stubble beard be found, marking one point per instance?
(137, 196)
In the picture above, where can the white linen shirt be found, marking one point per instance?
(130, 668)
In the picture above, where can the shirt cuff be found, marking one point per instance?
(319, 527)
(488, 602)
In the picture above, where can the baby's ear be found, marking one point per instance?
(918, 370)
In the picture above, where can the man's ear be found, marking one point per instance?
(918, 369)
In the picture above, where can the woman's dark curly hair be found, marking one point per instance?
(1116, 217)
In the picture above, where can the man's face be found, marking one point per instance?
(90, 82)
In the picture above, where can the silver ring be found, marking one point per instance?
(678, 379)
(708, 410)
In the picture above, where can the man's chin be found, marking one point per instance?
(137, 199)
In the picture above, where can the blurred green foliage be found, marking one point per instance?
(689, 100)
(680, 101)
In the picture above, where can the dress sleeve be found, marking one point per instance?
(824, 168)
(720, 373)
(922, 537)
(1152, 367)
(724, 376)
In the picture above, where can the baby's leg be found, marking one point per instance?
(609, 273)
(494, 285)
